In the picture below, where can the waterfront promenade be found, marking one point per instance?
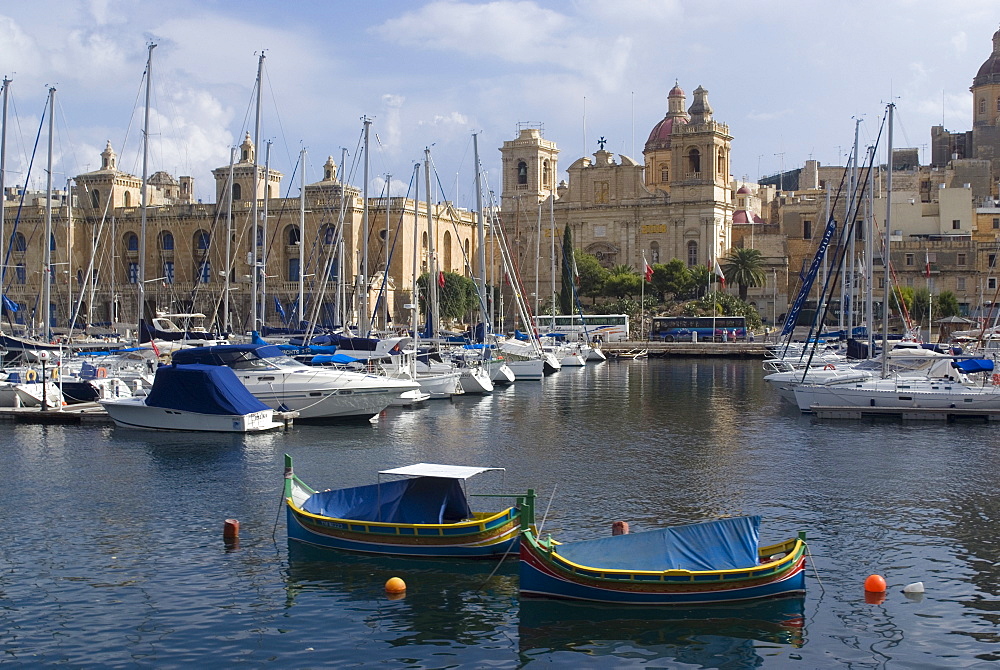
(714, 349)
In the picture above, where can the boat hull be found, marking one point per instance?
(134, 413)
(541, 575)
(486, 536)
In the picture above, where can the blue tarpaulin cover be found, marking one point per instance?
(416, 500)
(205, 389)
(970, 365)
(232, 355)
(725, 544)
(340, 359)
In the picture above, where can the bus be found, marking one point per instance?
(608, 327)
(681, 328)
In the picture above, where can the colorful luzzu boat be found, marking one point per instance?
(427, 514)
(711, 562)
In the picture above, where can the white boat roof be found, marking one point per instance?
(437, 470)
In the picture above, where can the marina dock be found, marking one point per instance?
(89, 413)
(713, 349)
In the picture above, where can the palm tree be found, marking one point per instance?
(745, 268)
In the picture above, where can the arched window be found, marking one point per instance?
(52, 242)
(260, 236)
(998, 103)
(167, 241)
(131, 242)
(654, 252)
(292, 235)
(19, 242)
(467, 249)
(328, 231)
(982, 105)
(446, 252)
(722, 163)
(664, 173)
(202, 240)
(95, 198)
(545, 173)
(423, 249)
(692, 248)
(522, 173)
(127, 199)
(237, 192)
(694, 161)
(293, 269)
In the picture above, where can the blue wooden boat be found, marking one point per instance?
(711, 562)
(426, 514)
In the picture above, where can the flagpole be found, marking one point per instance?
(642, 294)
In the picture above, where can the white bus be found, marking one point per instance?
(609, 327)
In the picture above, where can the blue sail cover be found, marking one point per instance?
(232, 355)
(726, 544)
(205, 389)
(416, 500)
(971, 365)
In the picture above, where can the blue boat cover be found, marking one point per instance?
(340, 359)
(415, 500)
(970, 365)
(726, 544)
(205, 389)
(231, 355)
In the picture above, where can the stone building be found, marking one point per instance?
(96, 249)
(677, 203)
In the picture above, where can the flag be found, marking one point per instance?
(647, 271)
(279, 309)
(717, 269)
(441, 279)
(10, 304)
(576, 273)
(927, 264)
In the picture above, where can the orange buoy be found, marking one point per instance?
(875, 584)
(395, 585)
(231, 530)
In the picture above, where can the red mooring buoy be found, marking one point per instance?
(231, 530)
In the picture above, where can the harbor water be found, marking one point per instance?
(113, 552)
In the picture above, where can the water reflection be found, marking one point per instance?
(710, 636)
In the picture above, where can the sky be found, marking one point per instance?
(789, 77)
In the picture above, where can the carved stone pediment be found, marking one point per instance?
(605, 253)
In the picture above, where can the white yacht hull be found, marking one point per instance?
(899, 393)
(134, 413)
(530, 370)
(476, 380)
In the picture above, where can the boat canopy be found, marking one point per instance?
(204, 389)
(421, 500)
(437, 470)
(971, 365)
(726, 544)
(236, 356)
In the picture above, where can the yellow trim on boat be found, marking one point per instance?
(479, 522)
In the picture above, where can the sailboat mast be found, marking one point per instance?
(481, 237)
(870, 253)
(432, 276)
(3, 173)
(385, 275)
(415, 292)
(47, 264)
(552, 253)
(254, 203)
(144, 195)
(302, 237)
(229, 245)
(363, 318)
(260, 264)
(885, 247)
(341, 288)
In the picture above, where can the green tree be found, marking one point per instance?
(592, 275)
(745, 268)
(945, 305)
(455, 299)
(700, 277)
(568, 273)
(921, 305)
(622, 281)
(672, 278)
(901, 300)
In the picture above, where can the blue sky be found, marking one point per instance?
(788, 77)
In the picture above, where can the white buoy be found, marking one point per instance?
(915, 587)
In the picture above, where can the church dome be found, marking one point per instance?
(659, 138)
(744, 190)
(989, 73)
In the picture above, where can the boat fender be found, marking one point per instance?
(996, 379)
(31, 376)
(54, 375)
(829, 366)
(102, 372)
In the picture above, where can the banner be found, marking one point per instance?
(810, 277)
